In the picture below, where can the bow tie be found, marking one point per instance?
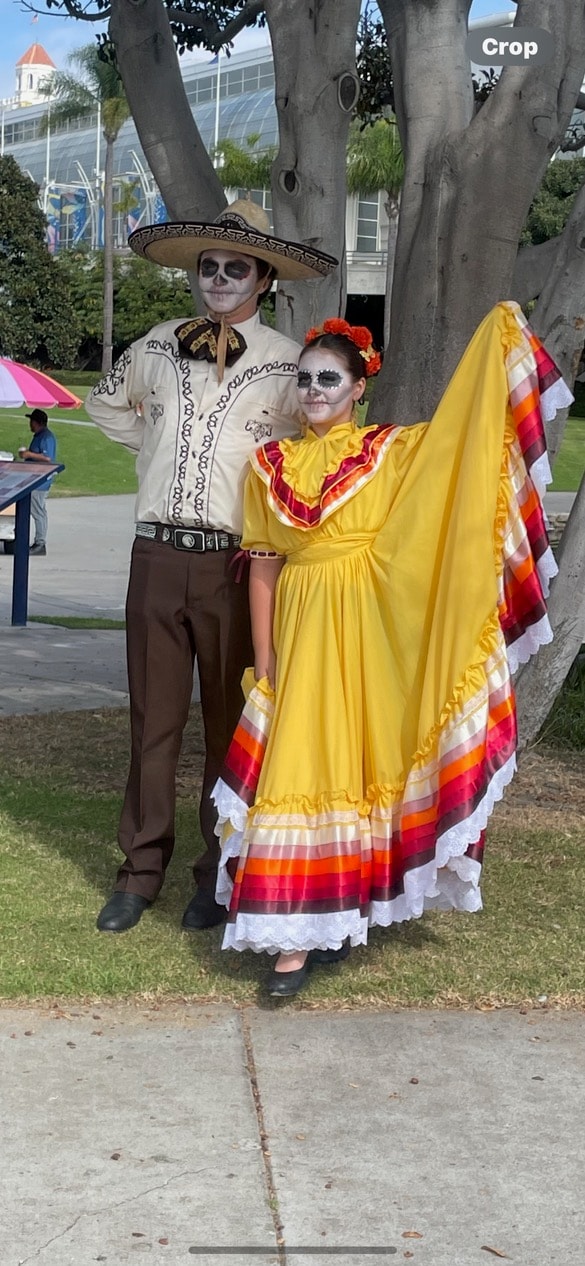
(213, 341)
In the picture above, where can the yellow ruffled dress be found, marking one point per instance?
(416, 569)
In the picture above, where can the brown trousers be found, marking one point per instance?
(179, 606)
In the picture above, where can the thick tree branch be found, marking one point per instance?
(216, 36)
(532, 106)
(74, 10)
(533, 266)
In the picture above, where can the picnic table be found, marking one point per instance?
(17, 481)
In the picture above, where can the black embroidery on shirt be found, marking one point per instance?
(181, 365)
(260, 430)
(254, 373)
(156, 412)
(108, 386)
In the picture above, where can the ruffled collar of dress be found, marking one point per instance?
(307, 479)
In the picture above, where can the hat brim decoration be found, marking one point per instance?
(179, 245)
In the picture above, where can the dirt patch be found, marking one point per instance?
(548, 791)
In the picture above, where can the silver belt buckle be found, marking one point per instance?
(190, 539)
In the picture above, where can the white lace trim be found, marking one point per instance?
(224, 884)
(537, 635)
(547, 570)
(283, 933)
(230, 807)
(449, 881)
(554, 398)
(541, 474)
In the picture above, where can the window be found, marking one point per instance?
(234, 83)
(30, 81)
(266, 78)
(367, 225)
(251, 79)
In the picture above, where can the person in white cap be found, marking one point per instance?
(193, 399)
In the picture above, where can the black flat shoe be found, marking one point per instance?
(284, 984)
(124, 910)
(330, 955)
(203, 911)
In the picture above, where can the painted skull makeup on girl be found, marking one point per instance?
(327, 390)
(227, 280)
(324, 380)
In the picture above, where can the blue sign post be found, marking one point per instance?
(17, 481)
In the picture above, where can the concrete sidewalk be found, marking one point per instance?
(169, 1133)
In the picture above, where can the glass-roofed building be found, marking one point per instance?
(67, 162)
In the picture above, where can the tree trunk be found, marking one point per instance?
(469, 180)
(539, 682)
(314, 44)
(393, 213)
(559, 319)
(559, 315)
(531, 270)
(108, 311)
(149, 67)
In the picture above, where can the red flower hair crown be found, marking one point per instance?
(358, 334)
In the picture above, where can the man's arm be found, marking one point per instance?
(29, 456)
(113, 403)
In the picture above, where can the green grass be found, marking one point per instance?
(77, 622)
(60, 791)
(570, 462)
(93, 464)
(565, 726)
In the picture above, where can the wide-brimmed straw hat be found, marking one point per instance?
(242, 227)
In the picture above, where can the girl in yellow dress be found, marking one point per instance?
(398, 578)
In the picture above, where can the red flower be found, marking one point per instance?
(336, 325)
(361, 337)
(314, 332)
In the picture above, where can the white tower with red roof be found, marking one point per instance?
(33, 69)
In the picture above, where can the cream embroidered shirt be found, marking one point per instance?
(193, 436)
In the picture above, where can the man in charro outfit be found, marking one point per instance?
(192, 399)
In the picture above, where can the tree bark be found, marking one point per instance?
(314, 45)
(149, 67)
(108, 309)
(540, 681)
(559, 315)
(469, 181)
(532, 269)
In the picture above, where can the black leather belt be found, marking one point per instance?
(195, 540)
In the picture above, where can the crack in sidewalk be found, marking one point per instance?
(273, 1203)
(94, 1213)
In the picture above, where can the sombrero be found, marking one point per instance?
(243, 226)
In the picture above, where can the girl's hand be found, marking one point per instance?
(266, 667)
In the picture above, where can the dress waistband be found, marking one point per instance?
(329, 551)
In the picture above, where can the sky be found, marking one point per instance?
(60, 35)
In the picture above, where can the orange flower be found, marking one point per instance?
(361, 337)
(336, 325)
(314, 332)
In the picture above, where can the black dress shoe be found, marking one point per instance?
(330, 955)
(38, 549)
(203, 911)
(284, 984)
(124, 910)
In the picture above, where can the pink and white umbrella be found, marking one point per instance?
(19, 384)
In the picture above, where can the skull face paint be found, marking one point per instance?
(228, 281)
(327, 391)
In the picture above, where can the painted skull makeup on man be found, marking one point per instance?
(326, 389)
(227, 280)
